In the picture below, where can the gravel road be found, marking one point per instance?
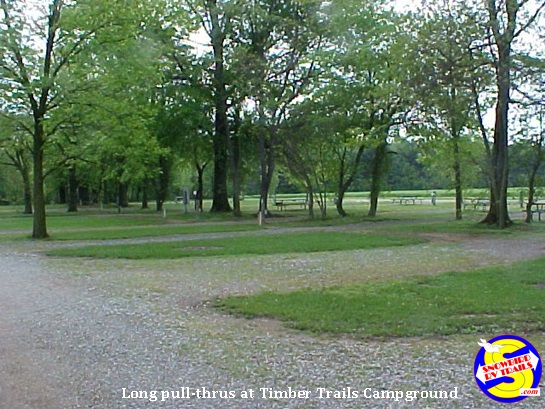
(83, 334)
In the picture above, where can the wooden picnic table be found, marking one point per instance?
(538, 207)
(281, 204)
(476, 202)
(406, 199)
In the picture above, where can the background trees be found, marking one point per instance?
(446, 35)
(107, 102)
(36, 47)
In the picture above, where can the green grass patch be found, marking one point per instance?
(463, 227)
(305, 242)
(501, 299)
(80, 221)
(81, 226)
(15, 222)
(150, 231)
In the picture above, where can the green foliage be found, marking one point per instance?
(436, 155)
(126, 90)
(447, 304)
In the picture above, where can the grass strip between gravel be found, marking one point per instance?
(304, 242)
(150, 231)
(494, 300)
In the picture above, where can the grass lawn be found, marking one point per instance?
(466, 226)
(149, 231)
(305, 242)
(84, 226)
(501, 299)
(80, 221)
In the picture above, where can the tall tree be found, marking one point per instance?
(34, 52)
(443, 83)
(216, 20)
(373, 62)
(507, 21)
(275, 41)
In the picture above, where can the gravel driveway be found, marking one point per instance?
(107, 333)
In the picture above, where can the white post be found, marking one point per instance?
(261, 212)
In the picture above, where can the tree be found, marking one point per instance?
(184, 127)
(14, 142)
(507, 21)
(538, 153)
(34, 52)
(529, 152)
(215, 18)
(372, 62)
(309, 150)
(332, 112)
(446, 33)
(275, 43)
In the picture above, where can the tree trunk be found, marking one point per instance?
(145, 203)
(344, 185)
(455, 129)
(457, 181)
(322, 204)
(235, 155)
(267, 162)
(72, 189)
(27, 190)
(123, 195)
(341, 186)
(339, 203)
(531, 185)
(200, 185)
(163, 182)
(498, 213)
(220, 197)
(39, 227)
(377, 170)
(310, 201)
(531, 193)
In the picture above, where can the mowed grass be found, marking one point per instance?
(466, 226)
(494, 300)
(109, 227)
(149, 231)
(75, 220)
(302, 242)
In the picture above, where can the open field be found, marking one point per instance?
(337, 314)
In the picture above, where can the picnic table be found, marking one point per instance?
(281, 204)
(476, 202)
(538, 207)
(406, 199)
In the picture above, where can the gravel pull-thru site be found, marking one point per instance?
(82, 333)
